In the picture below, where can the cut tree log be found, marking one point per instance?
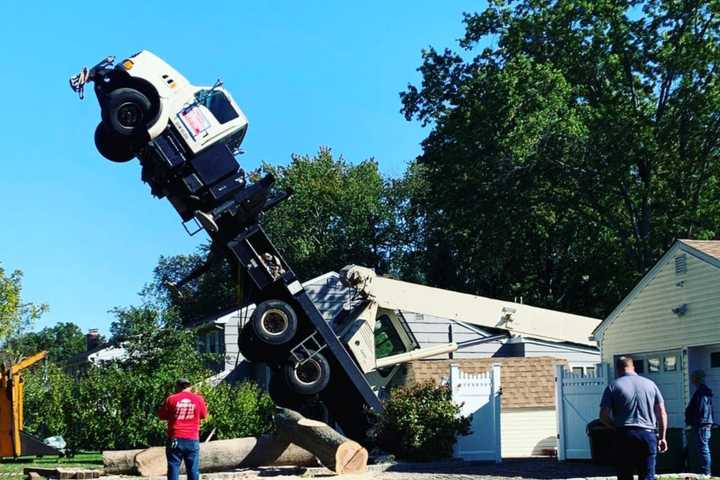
(116, 462)
(336, 452)
(214, 456)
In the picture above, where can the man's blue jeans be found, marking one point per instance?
(701, 436)
(183, 449)
(636, 451)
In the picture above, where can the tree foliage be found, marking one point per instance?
(15, 313)
(420, 422)
(339, 213)
(62, 342)
(114, 405)
(571, 142)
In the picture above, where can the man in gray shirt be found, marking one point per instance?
(633, 406)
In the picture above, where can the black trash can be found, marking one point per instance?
(602, 443)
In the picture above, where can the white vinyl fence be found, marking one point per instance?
(577, 403)
(480, 396)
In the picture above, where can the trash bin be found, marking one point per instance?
(672, 461)
(602, 443)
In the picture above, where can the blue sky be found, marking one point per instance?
(86, 232)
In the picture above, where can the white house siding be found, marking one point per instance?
(430, 331)
(526, 432)
(575, 356)
(646, 323)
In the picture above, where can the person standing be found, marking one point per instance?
(634, 407)
(183, 411)
(699, 416)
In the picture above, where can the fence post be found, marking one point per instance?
(454, 379)
(497, 410)
(559, 413)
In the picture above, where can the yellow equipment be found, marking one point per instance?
(13, 441)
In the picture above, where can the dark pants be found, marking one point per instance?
(701, 437)
(636, 452)
(179, 449)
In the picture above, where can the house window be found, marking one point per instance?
(715, 360)
(670, 363)
(590, 371)
(653, 365)
(577, 370)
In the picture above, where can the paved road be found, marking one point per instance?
(521, 469)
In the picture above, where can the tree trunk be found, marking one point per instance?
(214, 456)
(116, 462)
(335, 451)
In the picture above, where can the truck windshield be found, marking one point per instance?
(218, 104)
(387, 339)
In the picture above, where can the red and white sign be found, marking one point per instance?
(194, 120)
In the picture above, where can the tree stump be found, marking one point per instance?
(336, 452)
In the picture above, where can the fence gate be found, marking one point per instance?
(577, 403)
(480, 396)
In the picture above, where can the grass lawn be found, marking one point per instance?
(81, 460)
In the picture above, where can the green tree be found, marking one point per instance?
(339, 213)
(212, 292)
(568, 153)
(62, 342)
(15, 314)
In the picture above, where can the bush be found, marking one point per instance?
(420, 422)
(243, 410)
(112, 407)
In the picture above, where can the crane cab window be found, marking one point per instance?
(387, 339)
(218, 104)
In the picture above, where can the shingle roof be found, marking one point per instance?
(710, 247)
(526, 382)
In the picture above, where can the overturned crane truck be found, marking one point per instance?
(186, 138)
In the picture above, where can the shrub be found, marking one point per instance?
(420, 422)
(243, 410)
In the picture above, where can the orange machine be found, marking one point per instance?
(13, 441)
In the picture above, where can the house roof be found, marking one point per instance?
(709, 247)
(705, 250)
(527, 382)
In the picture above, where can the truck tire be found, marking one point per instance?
(274, 322)
(249, 346)
(126, 111)
(310, 377)
(114, 147)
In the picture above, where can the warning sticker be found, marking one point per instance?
(194, 120)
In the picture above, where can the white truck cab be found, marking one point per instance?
(142, 96)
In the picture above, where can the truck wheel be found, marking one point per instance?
(112, 146)
(126, 111)
(249, 347)
(310, 377)
(274, 322)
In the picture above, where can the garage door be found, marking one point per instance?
(665, 369)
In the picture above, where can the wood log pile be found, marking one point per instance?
(298, 442)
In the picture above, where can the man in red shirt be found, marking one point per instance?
(183, 411)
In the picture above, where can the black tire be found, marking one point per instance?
(127, 111)
(274, 322)
(112, 146)
(250, 347)
(310, 377)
